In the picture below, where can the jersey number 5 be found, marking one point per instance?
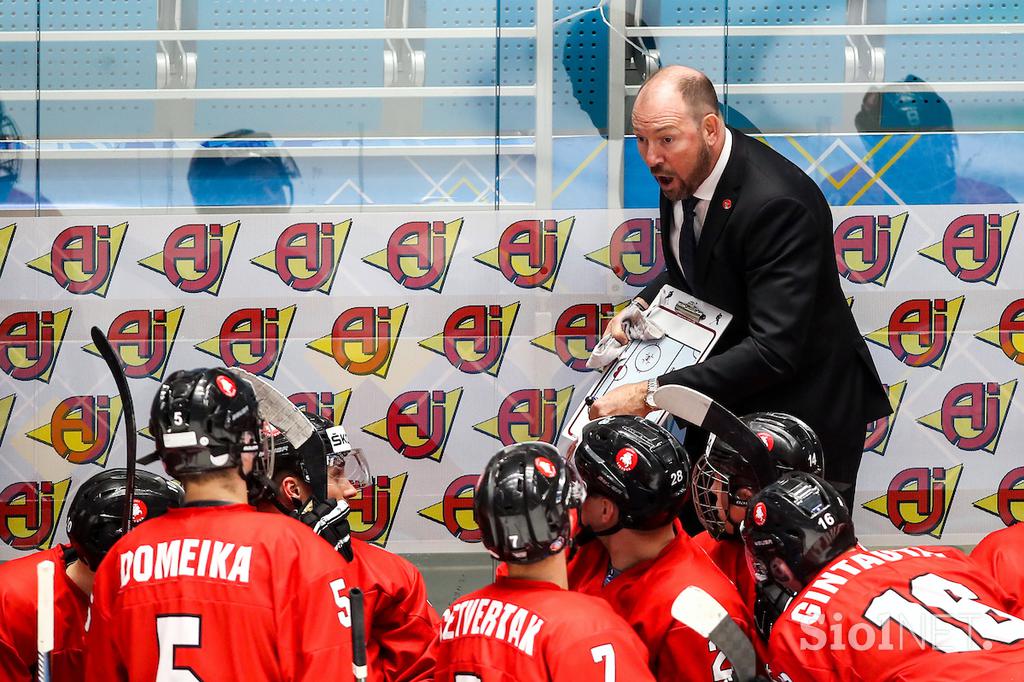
(174, 632)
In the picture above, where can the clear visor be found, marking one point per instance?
(351, 466)
(710, 488)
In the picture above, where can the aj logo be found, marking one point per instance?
(143, 339)
(419, 253)
(633, 252)
(577, 332)
(455, 510)
(195, 257)
(253, 339)
(972, 415)
(879, 431)
(82, 428)
(1008, 501)
(330, 406)
(1008, 335)
(475, 337)
(920, 331)
(375, 509)
(30, 511)
(83, 257)
(529, 414)
(919, 499)
(363, 340)
(418, 423)
(30, 342)
(866, 246)
(974, 246)
(530, 252)
(6, 239)
(307, 254)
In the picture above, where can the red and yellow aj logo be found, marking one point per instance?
(6, 239)
(866, 246)
(30, 341)
(419, 253)
(253, 339)
(455, 510)
(973, 414)
(577, 332)
(307, 254)
(879, 431)
(82, 428)
(973, 248)
(195, 257)
(920, 331)
(529, 414)
(633, 252)
(83, 257)
(363, 340)
(475, 337)
(30, 512)
(375, 509)
(1008, 501)
(530, 252)
(143, 340)
(1008, 335)
(919, 499)
(329, 405)
(418, 423)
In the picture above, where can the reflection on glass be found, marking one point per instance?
(242, 168)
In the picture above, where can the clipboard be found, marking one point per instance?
(692, 328)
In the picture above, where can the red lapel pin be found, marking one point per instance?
(726, 204)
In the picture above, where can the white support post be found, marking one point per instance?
(544, 103)
(616, 100)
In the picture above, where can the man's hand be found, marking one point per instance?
(615, 329)
(626, 399)
(329, 520)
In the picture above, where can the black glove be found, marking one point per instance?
(329, 520)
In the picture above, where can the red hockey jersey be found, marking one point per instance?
(220, 593)
(525, 630)
(643, 595)
(731, 559)
(1001, 554)
(921, 614)
(18, 619)
(401, 625)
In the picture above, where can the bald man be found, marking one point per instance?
(747, 231)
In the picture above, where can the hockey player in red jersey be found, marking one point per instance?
(1001, 555)
(724, 480)
(94, 524)
(838, 611)
(637, 474)
(216, 590)
(526, 626)
(401, 625)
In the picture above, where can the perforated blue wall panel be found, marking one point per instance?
(77, 15)
(953, 12)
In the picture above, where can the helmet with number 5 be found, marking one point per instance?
(636, 464)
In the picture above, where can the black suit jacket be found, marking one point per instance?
(766, 255)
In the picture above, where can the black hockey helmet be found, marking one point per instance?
(203, 420)
(789, 445)
(636, 464)
(525, 501)
(799, 522)
(339, 454)
(95, 514)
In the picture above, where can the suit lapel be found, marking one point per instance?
(723, 203)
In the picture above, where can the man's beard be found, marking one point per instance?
(689, 185)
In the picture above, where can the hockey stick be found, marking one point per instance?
(699, 611)
(44, 619)
(283, 414)
(360, 671)
(698, 409)
(128, 409)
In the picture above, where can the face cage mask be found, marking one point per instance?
(712, 498)
(260, 481)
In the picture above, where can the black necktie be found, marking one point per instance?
(688, 244)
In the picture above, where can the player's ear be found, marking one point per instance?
(291, 488)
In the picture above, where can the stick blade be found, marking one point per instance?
(698, 610)
(700, 410)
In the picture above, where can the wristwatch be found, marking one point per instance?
(652, 386)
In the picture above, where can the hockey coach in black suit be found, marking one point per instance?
(749, 232)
